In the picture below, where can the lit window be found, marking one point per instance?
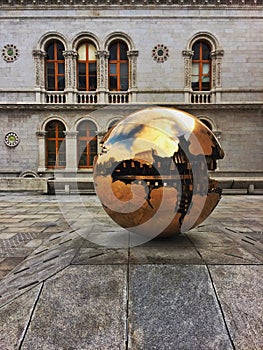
(87, 67)
(87, 143)
(55, 66)
(201, 66)
(55, 145)
(118, 67)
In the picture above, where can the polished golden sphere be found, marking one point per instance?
(152, 173)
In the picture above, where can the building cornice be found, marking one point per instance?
(121, 4)
(133, 106)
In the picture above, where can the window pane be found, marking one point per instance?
(82, 52)
(61, 68)
(93, 146)
(50, 52)
(195, 86)
(61, 83)
(50, 68)
(82, 146)
(206, 67)
(82, 83)
(60, 49)
(124, 69)
(92, 129)
(82, 68)
(195, 69)
(92, 52)
(91, 159)
(82, 160)
(92, 68)
(113, 83)
(124, 83)
(205, 51)
(123, 51)
(62, 159)
(113, 68)
(51, 83)
(92, 83)
(51, 159)
(61, 146)
(113, 52)
(196, 49)
(51, 146)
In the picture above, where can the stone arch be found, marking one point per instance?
(118, 36)
(209, 122)
(53, 118)
(85, 36)
(47, 37)
(214, 43)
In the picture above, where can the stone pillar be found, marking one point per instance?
(102, 73)
(132, 56)
(41, 135)
(187, 54)
(70, 75)
(216, 57)
(71, 151)
(39, 58)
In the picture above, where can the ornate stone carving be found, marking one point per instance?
(70, 68)
(39, 57)
(70, 134)
(84, 3)
(160, 53)
(102, 64)
(188, 54)
(132, 56)
(10, 53)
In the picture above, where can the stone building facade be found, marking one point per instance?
(70, 69)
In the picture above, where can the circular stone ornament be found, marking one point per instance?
(12, 139)
(10, 53)
(160, 53)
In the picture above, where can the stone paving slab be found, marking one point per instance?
(15, 317)
(174, 307)
(82, 307)
(240, 290)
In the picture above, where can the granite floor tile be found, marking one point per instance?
(174, 307)
(240, 291)
(82, 307)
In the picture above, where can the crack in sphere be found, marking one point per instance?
(152, 177)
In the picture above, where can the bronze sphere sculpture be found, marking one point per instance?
(152, 173)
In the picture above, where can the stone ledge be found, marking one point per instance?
(14, 184)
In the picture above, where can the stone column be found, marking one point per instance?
(70, 75)
(71, 151)
(187, 54)
(216, 57)
(41, 135)
(132, 56)
(102, 74)
(39, 58)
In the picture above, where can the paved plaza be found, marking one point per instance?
(60, 289)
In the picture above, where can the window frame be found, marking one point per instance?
(87, 138)
(57, 140)
(87, 62)
(201, 62)
(118, 61)
(55, 61)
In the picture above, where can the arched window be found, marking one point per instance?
(55, 145)
(201, 66)
(55, 66)
(118, 67)
(87, 67)
(87, 143)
